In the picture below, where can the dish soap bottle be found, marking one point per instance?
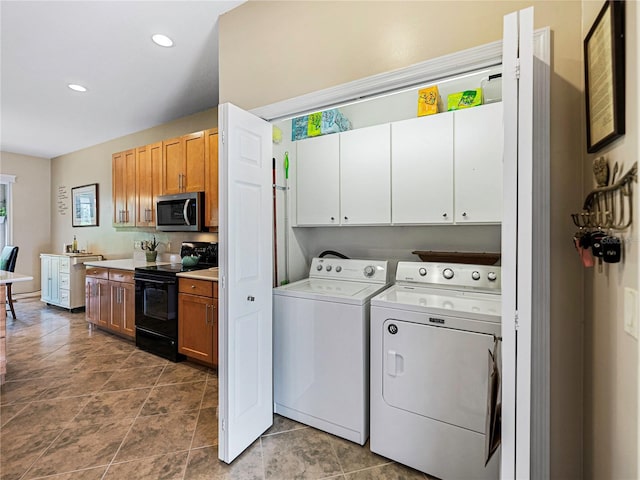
(74, 247)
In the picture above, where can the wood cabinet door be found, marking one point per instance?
(148, 183)
(118, 188)
(103, 303)
(117, 307)
(318, 181)
(422, 170)
(194, 162)
(130, 187)
(172, 166)
(478, 147)
(128, 319)
(92, 305)
(211, 178)
(195, 327)
(214, 322)
(365, 176)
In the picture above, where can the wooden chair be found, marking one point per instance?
(8, 259)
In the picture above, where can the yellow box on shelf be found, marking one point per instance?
(466, 99)
(428, 100)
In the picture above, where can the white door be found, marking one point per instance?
(525, 250)
(422, 170)
(245, 245)
(365, 172)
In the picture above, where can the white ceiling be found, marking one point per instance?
(132, 83)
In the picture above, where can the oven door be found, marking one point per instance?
(157, 305)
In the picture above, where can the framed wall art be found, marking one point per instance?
(604, 65)
(84, 205)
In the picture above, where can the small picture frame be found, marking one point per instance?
(84, 206)
(604, 72)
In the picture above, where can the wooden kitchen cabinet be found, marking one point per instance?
(111, 299)
(318, 181)
(98, 296)
(211, 218)
(183, 164)
(422, 170)
(478, 149)
(124, 188)
(148, 183)
(198, 320)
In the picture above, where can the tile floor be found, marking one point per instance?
(81, 404)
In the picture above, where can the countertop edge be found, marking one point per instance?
(200, 275)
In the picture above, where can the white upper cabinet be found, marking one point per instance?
(478, 146)
(422, 170)
(318, 181)
(365, 168)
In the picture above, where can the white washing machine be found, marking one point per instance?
(321, 345)
(431, 334)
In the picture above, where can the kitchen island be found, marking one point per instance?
(6, 277)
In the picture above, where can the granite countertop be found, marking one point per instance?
(123, 263)
(10, 277)
(207, 274)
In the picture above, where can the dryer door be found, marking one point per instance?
(436, 372)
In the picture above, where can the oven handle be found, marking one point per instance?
(161, 282)
(185, 212)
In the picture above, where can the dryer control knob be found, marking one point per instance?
(319, 267)
(447, 273)
(338, 269)
(492, 276)
(475, 275)
(422, 271)
(369, 270)
(328, 269)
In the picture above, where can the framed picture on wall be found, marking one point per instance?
(604, 71)
(84, 205)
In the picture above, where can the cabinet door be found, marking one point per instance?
(422, 170)
(45, 278)
(130, 187)
(318, 181)
(117, 307)
(478, 145)
(194, 162)
(148, 183)
(172, 166)
(128, 309)
(365, 176)
(118, 188)
(54, 276)
(91, 300)
(196, 327)
(123, 187)
(211, 178)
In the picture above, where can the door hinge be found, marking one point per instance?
(516, 324)
(223, 426)
(222, 282)
(222, 136)
(517, 72)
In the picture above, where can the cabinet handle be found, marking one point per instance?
(206, 313)
(444, 215)
(332, 219)
(346, 218)
(251, 298)
(464, 214)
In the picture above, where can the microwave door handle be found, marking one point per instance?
(185, 212)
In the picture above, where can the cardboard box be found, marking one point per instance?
(466, 99)
(428, 100)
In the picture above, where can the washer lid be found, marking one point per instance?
(472, 305)
(327, 290)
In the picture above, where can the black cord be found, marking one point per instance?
(334, 253)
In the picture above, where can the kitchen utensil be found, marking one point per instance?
(190, 260)
(601, 171)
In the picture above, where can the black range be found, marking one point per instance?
(157, 300)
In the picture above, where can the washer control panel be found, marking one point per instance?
(375, 271)
(461, 276)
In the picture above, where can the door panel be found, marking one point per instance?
(246, 218)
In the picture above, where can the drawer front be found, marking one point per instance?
(125, 276)
(215, 289)
(98, 272)
(65, 300)
(196, 287)
(64, 264)
(64, 281)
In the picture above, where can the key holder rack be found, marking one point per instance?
(609, 207)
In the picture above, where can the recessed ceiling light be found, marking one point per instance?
(77, 88)
(162, 40)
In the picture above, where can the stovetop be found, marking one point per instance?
(173, 268)
(207, 251)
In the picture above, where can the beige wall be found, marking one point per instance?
(611, 367)
(31, 216)
(271, 51)
(93, 165)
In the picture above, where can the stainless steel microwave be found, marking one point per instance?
(182, 212)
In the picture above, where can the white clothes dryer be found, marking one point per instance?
(431, 334)
(321, 345)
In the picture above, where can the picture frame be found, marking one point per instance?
(84, 205)
(604, 74)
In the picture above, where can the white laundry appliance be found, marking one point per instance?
(431, 334)
(321, 345)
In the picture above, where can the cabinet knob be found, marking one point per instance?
(346, 218)
(464, 214)
(193, 286)
(332, 219)
(444, 215)
(251, 298)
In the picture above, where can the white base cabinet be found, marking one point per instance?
(62, 279)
